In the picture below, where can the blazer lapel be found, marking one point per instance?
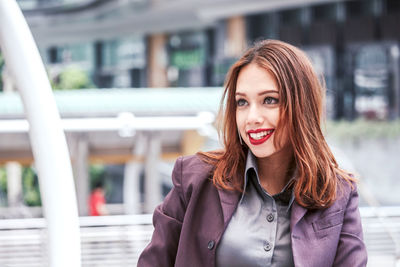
(297, 213)
(229, 201)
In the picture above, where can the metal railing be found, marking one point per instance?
(105, 241)
(118, 240)
(381, 235)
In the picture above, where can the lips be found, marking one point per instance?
(259, 136)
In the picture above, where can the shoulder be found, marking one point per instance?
(191, 170)
(194, 163)
(192, 177)
(346, 192)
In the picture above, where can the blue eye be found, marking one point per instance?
(241, 102)
(271, 100)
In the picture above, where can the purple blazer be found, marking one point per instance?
(189, 224)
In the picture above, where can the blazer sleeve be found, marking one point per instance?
(351, 250)
(167, 221)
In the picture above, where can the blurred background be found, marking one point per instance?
(121, 62)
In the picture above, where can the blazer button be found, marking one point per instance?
(211, 244)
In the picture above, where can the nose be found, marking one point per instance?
(255, 116)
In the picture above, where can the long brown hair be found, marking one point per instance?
(301, 112)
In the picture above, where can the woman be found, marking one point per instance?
(275, 195)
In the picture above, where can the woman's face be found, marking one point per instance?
(257, 109)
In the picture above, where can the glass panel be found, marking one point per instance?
(187, 58)
(324, 12)
(323, 59)
(109, 53)
(291, 16)
(359, 8)
(371, 80)
(126, 53)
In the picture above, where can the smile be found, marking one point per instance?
(259, 136)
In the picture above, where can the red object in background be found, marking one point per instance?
(96, 202)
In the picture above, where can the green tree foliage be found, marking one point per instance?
(72, 78)
(3, 187)
(30, 184)
(30, 187)
(364, 129)
(1, 70)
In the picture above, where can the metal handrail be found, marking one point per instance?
(48, 140)
(375, 209)
(119, 239)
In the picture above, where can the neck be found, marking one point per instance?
(276, 170)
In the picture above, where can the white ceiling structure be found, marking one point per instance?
(110, 119)
(102, 19)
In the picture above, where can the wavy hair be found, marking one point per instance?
(301, 111)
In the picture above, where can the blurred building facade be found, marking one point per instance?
(136, 44)
(132, 46)
(354, 44)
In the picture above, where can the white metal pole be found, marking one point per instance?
(47, 137)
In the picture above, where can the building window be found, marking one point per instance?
(291, 17)
(187, 59)
(323, 12)
(392, 6)
(359, 8)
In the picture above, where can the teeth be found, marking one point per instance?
(258, 136)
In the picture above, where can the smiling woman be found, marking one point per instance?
(257, 111)
(274, 196)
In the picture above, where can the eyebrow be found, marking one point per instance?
(260, 93)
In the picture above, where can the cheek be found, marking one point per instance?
(241, 122)
(239, 119)
(274, 117)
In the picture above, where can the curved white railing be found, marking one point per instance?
(47, 137)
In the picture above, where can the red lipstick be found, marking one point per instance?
(261, 140)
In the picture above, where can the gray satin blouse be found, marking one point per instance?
(258, 233)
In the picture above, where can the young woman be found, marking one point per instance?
(274, 196)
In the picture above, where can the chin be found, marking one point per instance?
(263, 153)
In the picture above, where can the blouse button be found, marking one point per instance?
(210, 244)
(267, 246)
(270, 217)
